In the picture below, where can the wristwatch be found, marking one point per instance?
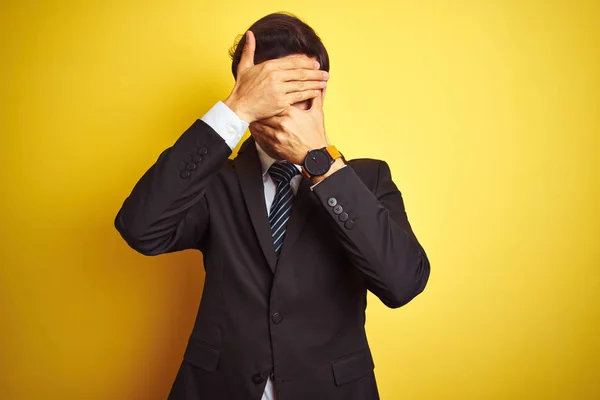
(317, 162)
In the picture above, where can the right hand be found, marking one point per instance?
(269, 88)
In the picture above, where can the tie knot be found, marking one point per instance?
(283, 171)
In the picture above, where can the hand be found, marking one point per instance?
(291, 134)
(269, 88)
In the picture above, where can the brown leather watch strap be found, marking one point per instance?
(306, 174)
(333, 152)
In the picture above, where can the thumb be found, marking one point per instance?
(247, 58)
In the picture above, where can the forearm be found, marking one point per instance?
(336, 166)
(376, 234)
(166, 211)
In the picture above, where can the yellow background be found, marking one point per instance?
(487, 112)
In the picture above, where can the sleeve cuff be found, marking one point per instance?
(313, 186)
(226, 123)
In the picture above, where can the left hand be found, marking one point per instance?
(291, 134)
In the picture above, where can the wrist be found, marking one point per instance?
(235, 106)
(336, 166)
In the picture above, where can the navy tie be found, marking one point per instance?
(281, 208)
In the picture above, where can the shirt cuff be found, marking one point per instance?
(311, 188)
(226, 123)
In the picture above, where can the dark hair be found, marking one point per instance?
(279, 35)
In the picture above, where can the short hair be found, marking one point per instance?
(279, 35)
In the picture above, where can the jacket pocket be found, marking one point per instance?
(202, 355)
(352, 367)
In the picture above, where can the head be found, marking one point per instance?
(279, 35)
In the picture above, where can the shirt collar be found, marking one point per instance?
(266, 160)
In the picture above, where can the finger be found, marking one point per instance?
(264, 129)
(303, 75)
(247, 58)
(300, 86)
(296, 97)
(274, 121)
(290, 62)
(257, 126)
(317, 103)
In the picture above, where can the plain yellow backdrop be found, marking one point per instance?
(487, 112)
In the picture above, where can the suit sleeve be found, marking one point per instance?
(167, 209)
(376, 234)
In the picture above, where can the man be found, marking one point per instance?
(292, 233)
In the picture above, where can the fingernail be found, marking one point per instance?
(317, 65)
(325, 75)
(323, 83)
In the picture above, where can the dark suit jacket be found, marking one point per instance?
(300, 318)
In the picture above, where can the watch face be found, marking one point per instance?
(317, 162)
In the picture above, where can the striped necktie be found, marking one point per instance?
(281, 208)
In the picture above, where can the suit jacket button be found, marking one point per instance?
(349, 224)
(258, 379)
(338, 209)
(196, 158)
(343, 217)
(332, 201)
(202, 151)
(184, 174)
(190, 166)
(277, 318)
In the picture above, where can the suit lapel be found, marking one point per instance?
(249, 173)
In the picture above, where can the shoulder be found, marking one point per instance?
(365, 164)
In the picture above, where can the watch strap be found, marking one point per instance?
(333, 152)
(305, 173)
